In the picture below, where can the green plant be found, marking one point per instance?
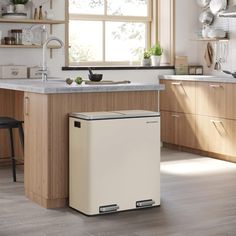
(156, 50)
(146, 54)
(15, 2)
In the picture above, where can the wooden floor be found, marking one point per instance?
(198, 199)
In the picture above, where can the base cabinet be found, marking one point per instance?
(178, 129)
(216, 135)
(200, 116)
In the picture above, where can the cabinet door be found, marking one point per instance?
(212, 134)
(168, 127)
(178, 129)
(36, 146)
(210, 99)
(230, 101)
(179, 96)
(166, 96)
(230, 126)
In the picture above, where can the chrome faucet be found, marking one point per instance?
(44, 70)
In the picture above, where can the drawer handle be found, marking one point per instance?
(26, 107)
(215, 86)
(176, 116)
(176, 83)
(216, 121)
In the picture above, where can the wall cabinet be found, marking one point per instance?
(211, 126)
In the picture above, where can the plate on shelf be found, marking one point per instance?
(203, 3)
(217, 5)
(14, 15)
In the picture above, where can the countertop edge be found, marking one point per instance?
(200, 78)
(34, 88)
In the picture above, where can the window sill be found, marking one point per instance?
(68, 68)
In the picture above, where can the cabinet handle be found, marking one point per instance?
(26, 106)
(176, 116)
(216, 121)
(176, 83)
(215, 85)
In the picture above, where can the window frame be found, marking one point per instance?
(109, 18)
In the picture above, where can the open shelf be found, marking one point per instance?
(211, 39)
(28, 46)
(31, 21)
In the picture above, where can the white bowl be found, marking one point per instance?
(216, 33)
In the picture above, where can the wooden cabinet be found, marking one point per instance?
(230, 101)
(200, 115)
(211, 134)
(211, 99)
(179, 96)
(178, 129)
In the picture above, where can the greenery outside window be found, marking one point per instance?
(108, 32)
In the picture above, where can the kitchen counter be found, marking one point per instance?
(44, 107)
(200, 78)
(53, 86)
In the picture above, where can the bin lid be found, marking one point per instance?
(114, 114)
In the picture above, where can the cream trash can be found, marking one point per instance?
(114, 161)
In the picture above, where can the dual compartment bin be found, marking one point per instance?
(114, 161)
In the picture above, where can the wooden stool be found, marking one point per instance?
(10, 123)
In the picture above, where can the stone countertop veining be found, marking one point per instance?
(200, 78)
(53, 86)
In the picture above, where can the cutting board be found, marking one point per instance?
(106, 82)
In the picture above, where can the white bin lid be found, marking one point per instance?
(114, 114)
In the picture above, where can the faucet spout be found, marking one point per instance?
(44, 70)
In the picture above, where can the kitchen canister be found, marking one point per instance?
(17, 34)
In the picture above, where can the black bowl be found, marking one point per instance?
(95, 77)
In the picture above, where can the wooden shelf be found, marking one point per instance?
(29, 46)
(20, 46)
(211, 39)
(31, 21)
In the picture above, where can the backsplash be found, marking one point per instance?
(229, 25)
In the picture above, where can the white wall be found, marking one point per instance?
(186, 25)
(186, 18)
(229, 25)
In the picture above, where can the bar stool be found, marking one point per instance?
(11, 123)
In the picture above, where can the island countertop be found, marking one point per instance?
(54, 86)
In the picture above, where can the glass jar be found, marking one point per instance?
(17, 34)
(9, 40)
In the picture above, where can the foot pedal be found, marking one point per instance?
(108, 208)
(145, 203)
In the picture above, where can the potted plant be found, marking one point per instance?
(19, 5)
(156, 52)
(146, 61)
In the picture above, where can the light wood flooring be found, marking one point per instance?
(198, 199)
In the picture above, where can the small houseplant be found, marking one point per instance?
(146, 60)
(156, 52)
(19, 5)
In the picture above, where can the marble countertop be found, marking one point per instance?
(202, 78)
(53, 86)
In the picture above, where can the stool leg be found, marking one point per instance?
(12, 154)
(21, 134)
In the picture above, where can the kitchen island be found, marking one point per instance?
(45, 108)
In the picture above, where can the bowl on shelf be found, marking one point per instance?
(216, 33)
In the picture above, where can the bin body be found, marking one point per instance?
(114, 161)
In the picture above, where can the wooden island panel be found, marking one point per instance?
(11, 105)
(46, 136)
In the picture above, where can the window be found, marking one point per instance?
(108, 31)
